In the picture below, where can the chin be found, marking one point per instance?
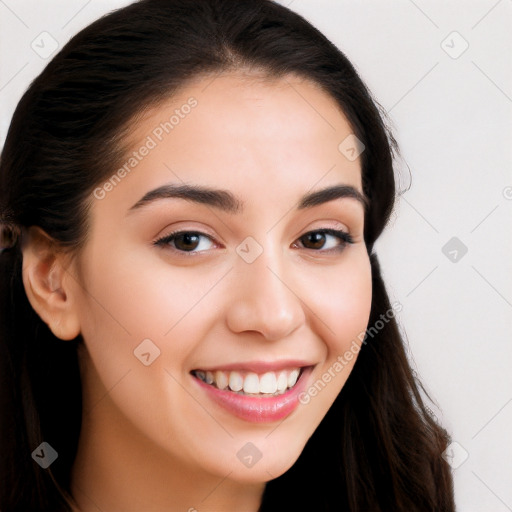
(274, 461)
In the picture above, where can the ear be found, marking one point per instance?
(49, 285)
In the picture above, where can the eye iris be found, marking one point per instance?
(186, 241)
(315, 240)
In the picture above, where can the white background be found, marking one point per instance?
(453, 120)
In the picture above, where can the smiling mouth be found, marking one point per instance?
(266, 384)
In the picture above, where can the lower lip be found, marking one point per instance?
(258, 409)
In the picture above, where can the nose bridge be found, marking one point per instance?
(264, 300)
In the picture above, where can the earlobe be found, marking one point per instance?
(48, 284)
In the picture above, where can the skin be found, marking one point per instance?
(151, 438)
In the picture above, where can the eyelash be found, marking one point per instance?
(344, 237)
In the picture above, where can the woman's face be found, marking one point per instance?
(268, 279)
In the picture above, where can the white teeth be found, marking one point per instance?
(270, 383)
(282, 381)
(292, 377)
(236, 382)
(251, 383)
(221, 380)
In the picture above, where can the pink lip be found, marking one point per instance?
(257, 409)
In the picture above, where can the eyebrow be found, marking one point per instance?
(330, 194)
(227, 202)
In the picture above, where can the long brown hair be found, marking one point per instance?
(377, 449)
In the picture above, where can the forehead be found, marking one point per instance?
(255, 107)
(238, 131)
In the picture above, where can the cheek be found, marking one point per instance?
(125, 308)
(342, 306)
(129, 300)
(141, 297)
(342, 303)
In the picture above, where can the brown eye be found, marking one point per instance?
(314, 240)
(186, 241)
(326, 240)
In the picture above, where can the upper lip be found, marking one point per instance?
(258, 366)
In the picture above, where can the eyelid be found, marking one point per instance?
(187, 226)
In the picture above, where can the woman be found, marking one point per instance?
(193, 316)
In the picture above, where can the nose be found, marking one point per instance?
(264, 300)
